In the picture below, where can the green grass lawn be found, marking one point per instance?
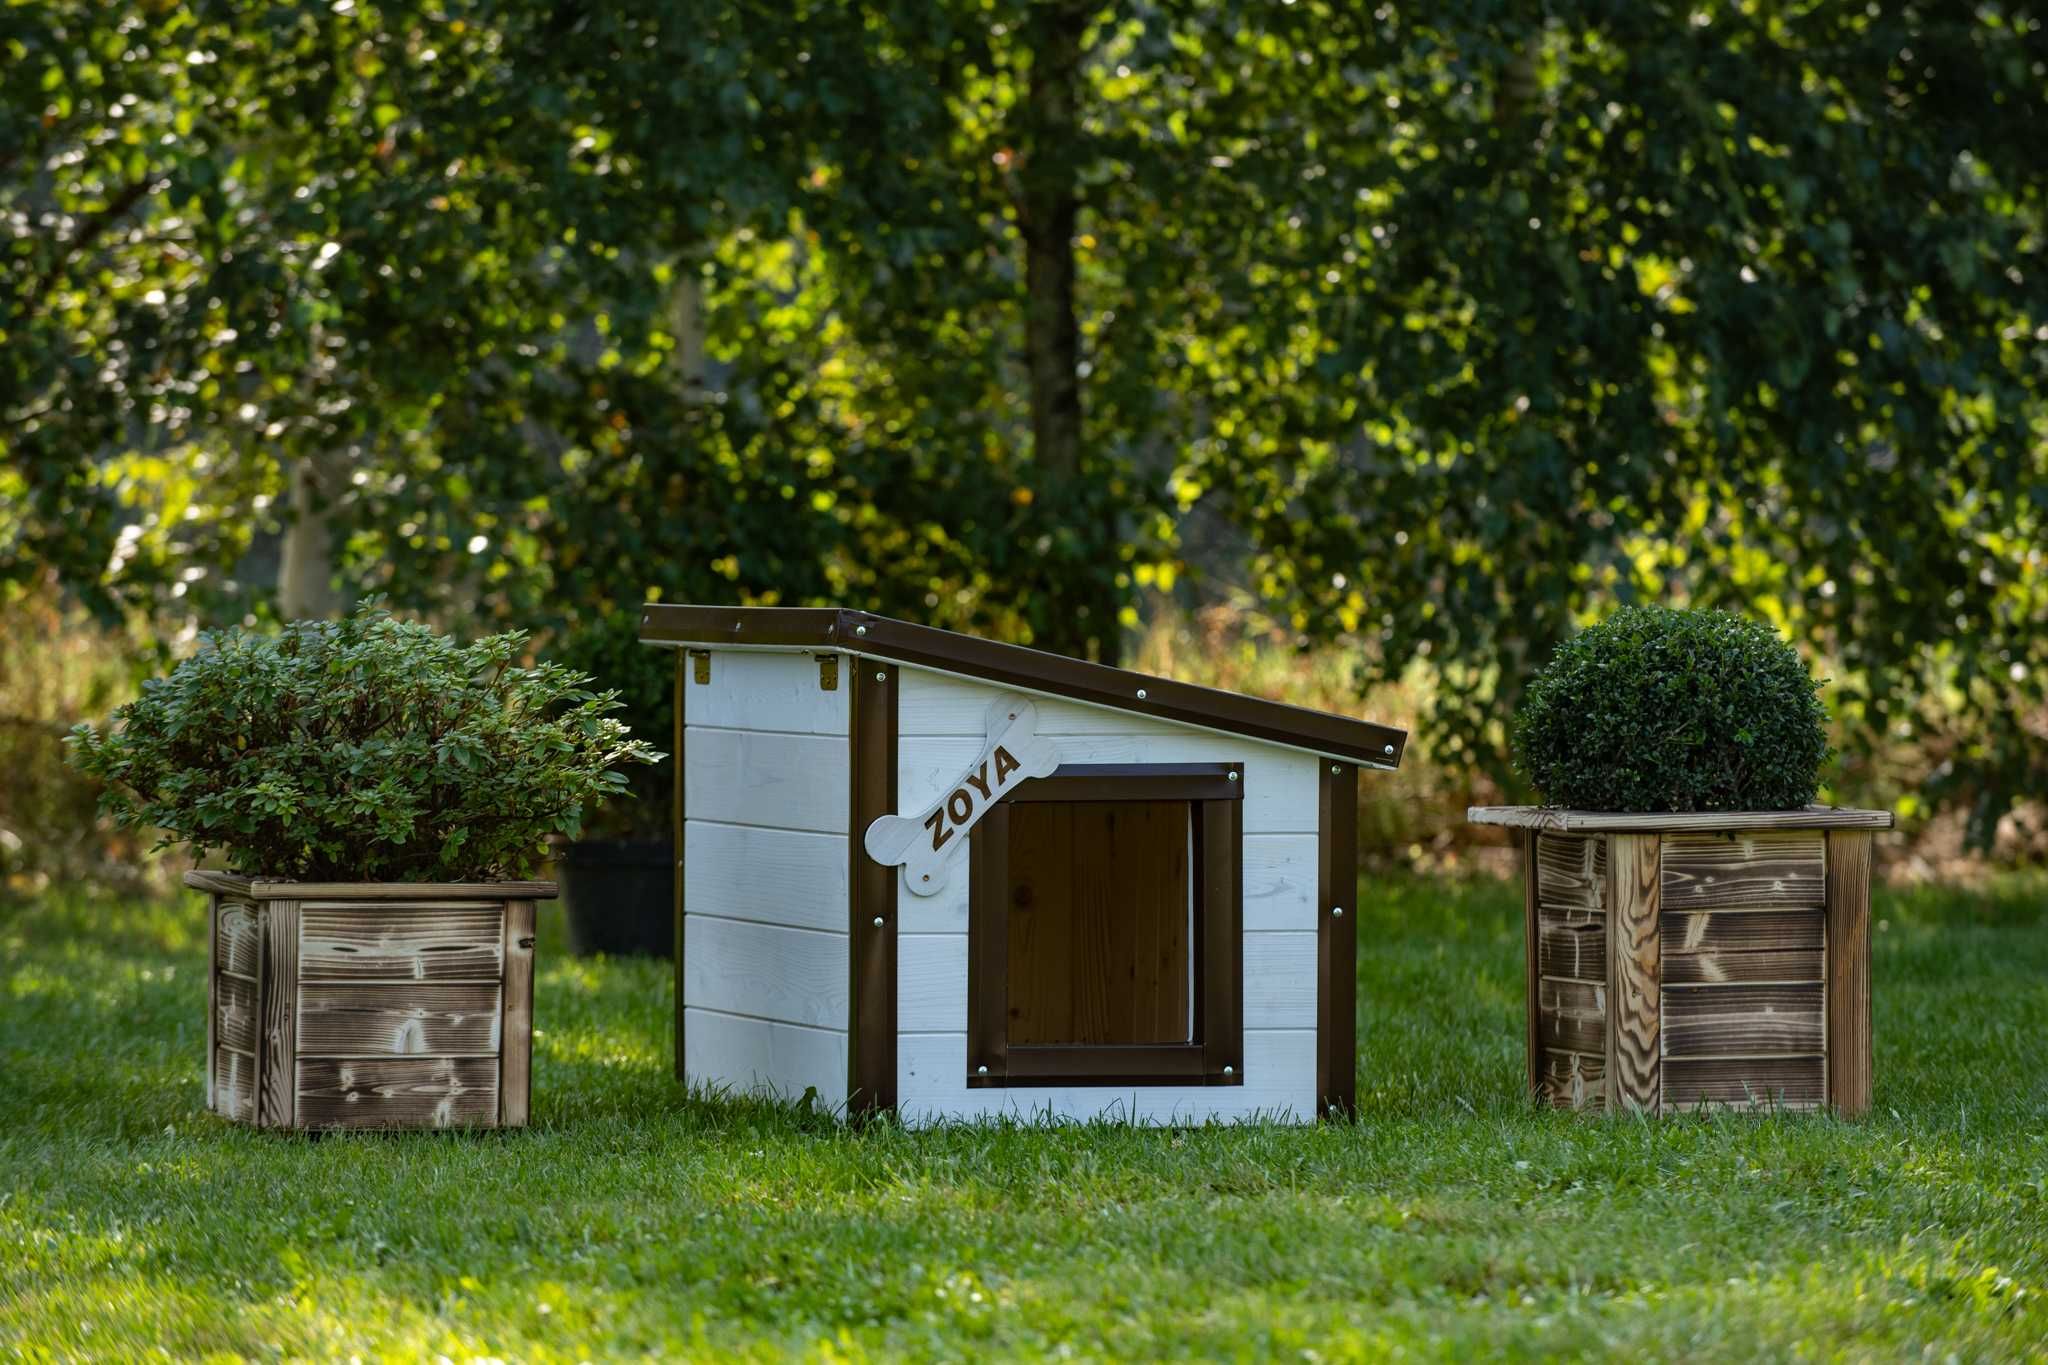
(1451, 1220)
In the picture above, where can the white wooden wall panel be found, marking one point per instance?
(1280, 784)
(797, 976)
(771, 876)
(945, 913)
(931, 983)
(1279, 1082)
(765, 875)
(1279, 890)
(755, 690)
(940, 726)
(761, 1056)
(751, 777)
(931, 703)
(1279, 981)
(1279, 882)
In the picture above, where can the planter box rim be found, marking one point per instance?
(269, 888)
(1559, 820)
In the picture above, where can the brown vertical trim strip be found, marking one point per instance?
(1848, 968)
(1634, 993)
(988, 939)
(515, 1023)
(1336, 939)
(1532, 983)
(871, 893)
(678, 860)
(1221, 852)
(212, 989)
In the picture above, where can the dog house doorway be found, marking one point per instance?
(1105, 942)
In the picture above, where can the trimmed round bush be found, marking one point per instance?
(364, 749)
(1659, 710)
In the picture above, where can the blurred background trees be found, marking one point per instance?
(1416, 335)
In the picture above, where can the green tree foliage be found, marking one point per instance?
(1744, 305)
(364, 749)
(1661, 710)
(1452, 325)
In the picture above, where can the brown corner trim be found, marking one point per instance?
(680, 858)
(1337, 940)
(871, 897)
(902, 642)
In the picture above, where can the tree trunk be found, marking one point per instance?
(305, 571)
(687, 320)
(1084, 622)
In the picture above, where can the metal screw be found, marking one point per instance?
(1334, 770)
(881, 677)
(1338, 911)
(1233, 777)
(981, 1071)
(878, 919)
(1229, 1071)
(860, 630)
(1141, 694)
(738, 625)
(1390, 751)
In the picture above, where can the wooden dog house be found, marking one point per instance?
(953, 878)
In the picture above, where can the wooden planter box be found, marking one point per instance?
(369, 1004)
(1676, 961)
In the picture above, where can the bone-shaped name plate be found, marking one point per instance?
(928, 845)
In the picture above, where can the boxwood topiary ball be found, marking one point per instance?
(1662, 710)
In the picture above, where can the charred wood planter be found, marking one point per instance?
(369, 1004)
(1684, 961)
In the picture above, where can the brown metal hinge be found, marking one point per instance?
(828, 672)
(700, 661)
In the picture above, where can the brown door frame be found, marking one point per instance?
(1215, 796)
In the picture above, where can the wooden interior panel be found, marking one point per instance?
(1752, 868)
(398, 1092)
(1742, 1021)
(1571, 871)
(1572, 1080)
(1572, 944)
(1572, 1016)
(234, 1023)
(234, 1085)
(1743, 931)
(368, 1020)
(431, 941)
(1100, 940)
(235, 947)
(1744, 1082)
(1716, 968)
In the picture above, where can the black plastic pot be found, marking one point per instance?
(619, 895)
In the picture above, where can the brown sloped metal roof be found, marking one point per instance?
(880, 637)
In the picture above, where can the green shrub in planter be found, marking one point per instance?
(365, 749)
(1662, 710)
